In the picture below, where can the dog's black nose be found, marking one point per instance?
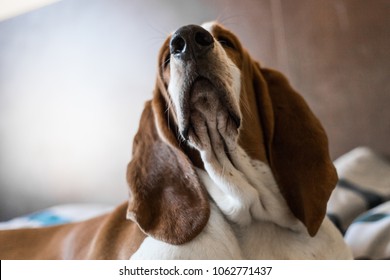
(190, 41)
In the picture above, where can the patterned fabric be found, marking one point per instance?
(57, 215)
(360, 204)
(369, 234)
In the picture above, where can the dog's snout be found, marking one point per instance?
(190, 41)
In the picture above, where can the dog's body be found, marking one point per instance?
(228, 163)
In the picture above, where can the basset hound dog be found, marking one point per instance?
(229, 162)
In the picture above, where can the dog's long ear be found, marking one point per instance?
(167, 200)
(297, 148)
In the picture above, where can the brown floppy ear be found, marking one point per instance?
(167, 200)
(297, 148)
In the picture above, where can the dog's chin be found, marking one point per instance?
(210, 119)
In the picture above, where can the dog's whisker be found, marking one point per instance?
(247, 109)
(165, 63)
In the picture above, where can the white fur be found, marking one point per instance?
(216, 241)
(245, 189)
(175, 85)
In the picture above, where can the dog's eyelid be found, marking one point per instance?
(226, 42)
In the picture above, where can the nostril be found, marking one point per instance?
(203, 38)
(178, 45)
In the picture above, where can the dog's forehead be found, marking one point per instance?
(209, 26)
(216, 29)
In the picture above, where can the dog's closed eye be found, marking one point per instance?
(226, 42)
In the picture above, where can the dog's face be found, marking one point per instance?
(200, 67)
(211, 102)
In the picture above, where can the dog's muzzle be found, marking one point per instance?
(204, 98)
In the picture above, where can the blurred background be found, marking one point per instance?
(74, 76)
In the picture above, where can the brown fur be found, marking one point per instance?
(103, 237)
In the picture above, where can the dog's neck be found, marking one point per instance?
(245, 191)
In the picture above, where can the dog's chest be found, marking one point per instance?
(272, 233)
(222, 240)
(265, 240)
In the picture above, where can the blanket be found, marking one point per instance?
(360, 204)
(57, 215)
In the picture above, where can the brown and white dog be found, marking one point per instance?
(228, 163)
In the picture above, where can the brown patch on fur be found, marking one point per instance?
(297, 150)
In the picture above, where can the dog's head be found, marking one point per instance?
(211, 94)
